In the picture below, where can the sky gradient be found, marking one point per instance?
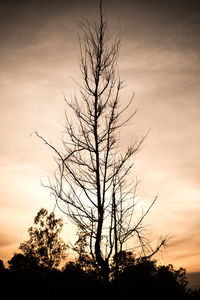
(159, 60)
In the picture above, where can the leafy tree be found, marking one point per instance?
(171, 280)
(147, 279)
(125, 259)
(23, 263)
(84, 259)
(44, 244)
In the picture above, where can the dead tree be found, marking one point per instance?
(92, 170)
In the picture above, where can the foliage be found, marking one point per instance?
(44, 244)
(141, 278)
(84, 260)
(148, 279)
(20, 262)
(125, 259)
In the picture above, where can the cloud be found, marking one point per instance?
(184, 247)
(6, 239)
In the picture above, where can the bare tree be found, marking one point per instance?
(92, 183)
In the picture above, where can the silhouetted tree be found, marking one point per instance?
(84, 259)
(23, 263)
(93, 176)
(2, 267)
(170, 281)
(147, 279)
(44, 244)
(125, 259)
(138, 278)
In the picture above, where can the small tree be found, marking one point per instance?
(23, 263)
(84, 259)
(44, 244)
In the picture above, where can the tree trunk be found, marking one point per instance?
(115, 235)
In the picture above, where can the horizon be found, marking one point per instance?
(158, 60)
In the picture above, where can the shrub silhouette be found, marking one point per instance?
(147, 279)
(138, 279)
(23, 263)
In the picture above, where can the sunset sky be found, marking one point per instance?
(159, 60)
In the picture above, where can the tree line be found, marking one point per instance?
(35, 272)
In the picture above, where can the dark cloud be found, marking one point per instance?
(169, 24)
(145, 24)
(145, 15)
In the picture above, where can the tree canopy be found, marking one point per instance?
(44, 244)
